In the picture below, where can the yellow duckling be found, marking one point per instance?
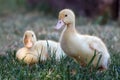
(27, 54)
(41, 49)
(78, 46)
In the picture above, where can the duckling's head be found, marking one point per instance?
(66, 17)
(29, 39)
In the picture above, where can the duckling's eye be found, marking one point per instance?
(25, 36)
(66, 15)
(32, 35)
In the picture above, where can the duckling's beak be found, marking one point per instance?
(59, 25)
(29, 43)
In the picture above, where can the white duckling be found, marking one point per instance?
(27, 54)
(78, 46)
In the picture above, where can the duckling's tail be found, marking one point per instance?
(105, 61)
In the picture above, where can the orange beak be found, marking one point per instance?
(28, 43)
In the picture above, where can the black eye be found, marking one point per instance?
(32, 35)
(25, 36)
(66, 15)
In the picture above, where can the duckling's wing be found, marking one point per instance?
(93, 47)
(97, 44)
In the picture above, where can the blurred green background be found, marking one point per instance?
(93, 18)
(107, 9)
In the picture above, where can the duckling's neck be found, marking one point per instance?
(70, 28)
(68, 32)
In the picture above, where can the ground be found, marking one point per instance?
(13, 26)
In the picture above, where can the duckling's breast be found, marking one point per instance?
(70, 44)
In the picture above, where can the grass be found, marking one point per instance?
(66, 69)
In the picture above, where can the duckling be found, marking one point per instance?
(27, 54)
(38, 50)
(81, 47)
